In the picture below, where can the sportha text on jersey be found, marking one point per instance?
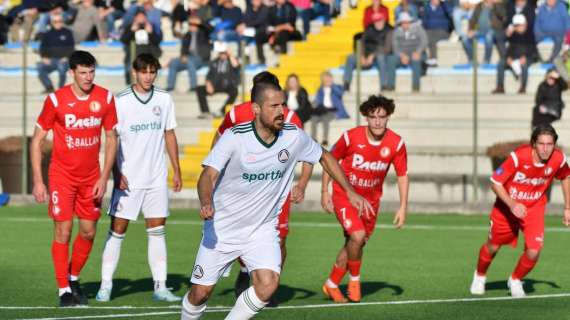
(271, 176)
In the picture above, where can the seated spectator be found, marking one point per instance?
(408, 45)
(548, 101)
(436, 20)
(47, 8)
(86, 20)
(140, 36)
(111, 11)
(305, 12)
(153, 15)
(254, 27)
(228, 19)
(56, 46)
(377, 46)
(328, 103)
(375, 8)
(297, 98)
(552, 21)
(461, 15)
(194, 53)
(322, 8)
(480, 27)
(22, 17)
(521, 51)
(562, 62)
(223, 77)
(499, 23)
(282, 19)
(410, 8)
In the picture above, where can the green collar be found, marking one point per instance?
(139, 99)
(265, 144)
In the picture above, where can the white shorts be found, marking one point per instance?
(127, 204)
(212, 263)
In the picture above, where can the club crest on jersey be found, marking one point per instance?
(385, 152)
(156, 111)
(547, 171)
(283, 156)
(198, 272)
(95, 106)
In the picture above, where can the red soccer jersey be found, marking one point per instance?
(242, 113)
(366, 162)
(76, 124)
(526, 181)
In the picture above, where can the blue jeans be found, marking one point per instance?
(502, 66)
(321, 9)
(380, 61)
(305, 15)
(54, 65)
(393, 62)
(192, 65)
(468, 45)
(111, 18)
(558, 41)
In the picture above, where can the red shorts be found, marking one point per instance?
(348, 217)
(68, 198)
(505, 227)
(283, 224)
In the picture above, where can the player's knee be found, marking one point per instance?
(532, 254)
(266, 286)
(358, 237)
(62, 234)
(119, 229)
(493, 248)
(87, 234)
(199, 294)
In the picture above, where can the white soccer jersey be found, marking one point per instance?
(254, 181)
(141, 125)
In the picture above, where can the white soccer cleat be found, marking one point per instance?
(516, 288)
(103, 295)
(478, 284)
(165, 295)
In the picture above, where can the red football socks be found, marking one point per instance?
(81, 249)
(485, 259)
(337, 274)
(354, 267)
(60, 257)
(524, 266)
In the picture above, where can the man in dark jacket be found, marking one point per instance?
(194, 53)
(436, 20)
(55, 47)
(282, 18)
(254, 26)
(222, 77)
(548, 101)
(377, 40)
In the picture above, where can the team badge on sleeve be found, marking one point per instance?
(499, 171)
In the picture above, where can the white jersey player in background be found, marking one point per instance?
(145, 126)
(246, 179)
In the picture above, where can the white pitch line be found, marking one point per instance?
(321, 306)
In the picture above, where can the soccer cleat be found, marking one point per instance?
(103, 295)
(353, 291)
(516, 288)
(478, 284)
(78, 296)
(334, 294)
(242, 283)
(66, 300)
(165, 295)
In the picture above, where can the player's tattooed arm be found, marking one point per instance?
(206, 183)
(39, 189)
(517, 208)
(298, 191)
(403, 187)
(566, 193)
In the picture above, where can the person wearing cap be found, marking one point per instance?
(480, 27)
(521, 52)
(408, 45)
(223, 77)
(552, 21)
(377, 40)
(548, 101)
(375, 8)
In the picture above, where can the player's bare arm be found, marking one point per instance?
(298, 190)
(39, 189)
(331, 166)
(326, 200)
(517, 208)
(206, 183)
(403, 189)
(110, 152)
(172, 150)
(566, 193)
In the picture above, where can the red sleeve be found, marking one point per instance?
(340, 148)
(226, 124)
(110, 118)
(296, 120)
(47, 116)
(386, 13)
(367, 19)
(564, 170)
(506, 170)
(400, 160)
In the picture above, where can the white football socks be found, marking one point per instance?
(189, 311)
(157, 256)
(247, 306)
(111, 255)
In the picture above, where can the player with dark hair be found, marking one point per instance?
(520, 184)
(365, 154)
(76, 113)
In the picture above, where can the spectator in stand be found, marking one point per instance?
(56, 46)
(521, 51)
(327, 106)
(548, 101)
(499, 23)
(47, 8)
(524, 7)
(480, 27)
(194, 53)
(141, 37)
(153, 15)
(86, 20)
(111, 11)
(375, 8)
(323, 8)
(222, 77)
(4, 27)
(228, 18)
(23, 16)
(461, 15)
(408, 45)
(562, 62)
(254, 27)
(305, 12)
(297, 98)
(282, 18)
(407, 6)
(436, 20)
(377, 47)
(552, 21)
